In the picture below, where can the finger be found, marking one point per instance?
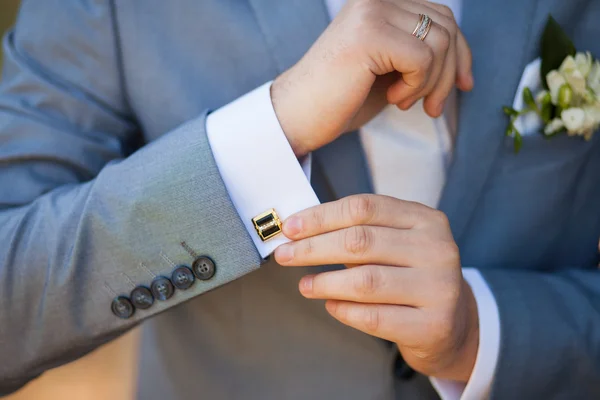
(364, 209)
(358, 245)
(446, 79)
(398, 324)
(435, 101)
(406, 21)
(437, 40)
(464, 57)
(412, 58)
(464, 77)
(367, 284)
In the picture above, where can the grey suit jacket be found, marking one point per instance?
(105, 170)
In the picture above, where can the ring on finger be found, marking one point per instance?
(423, 27)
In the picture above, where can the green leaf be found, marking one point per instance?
(528, 98)
(511, 112)
(546, 113)
(509, 130)
(556, 46)
(517, 142)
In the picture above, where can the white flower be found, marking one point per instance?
(593, 79)
(568, 65)
(575, 70)
(576, 80)
(592, 120)
(574, 120)
(584, 62)
(555, 80)
(554, 126)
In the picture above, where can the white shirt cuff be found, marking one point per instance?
(482, 377)
(257, 164)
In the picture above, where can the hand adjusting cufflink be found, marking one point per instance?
(267, 224)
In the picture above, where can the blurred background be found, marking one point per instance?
(107, 373)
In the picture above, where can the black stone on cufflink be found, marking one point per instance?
(267, 224)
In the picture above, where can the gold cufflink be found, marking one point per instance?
(267, 224)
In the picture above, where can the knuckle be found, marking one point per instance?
(371, 318)
(452, 28)
(318, 220)
(425, 59)
(368, 15)
(447, 11)
(447, 288)
(357, 240)
(440, 326)
(360, 209)
(445, 254)
(309, 247)
(450, 253)
(439, 218)
(443, 42)
(368, 281)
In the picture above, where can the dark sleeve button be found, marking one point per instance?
(122, 307)
(162, 288)
(204, 268)
(182, 277)
(142, 298)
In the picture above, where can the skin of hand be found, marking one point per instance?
(365, 59)
(403, 283)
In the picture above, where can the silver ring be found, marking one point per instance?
(423, 27)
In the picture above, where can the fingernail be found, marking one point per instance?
(284, 253)
(292, 226)
(306, 285)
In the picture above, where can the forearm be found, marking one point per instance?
(67, 254)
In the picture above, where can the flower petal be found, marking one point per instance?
(584, 63)
(593, 78)
(555, 80)
(554, 126)
(577, 82)
(568, 65)
(574, 120)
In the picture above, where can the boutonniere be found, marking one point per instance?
(569, 102)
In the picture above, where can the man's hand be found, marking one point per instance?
(404, 282)
(366, 58)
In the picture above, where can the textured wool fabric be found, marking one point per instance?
(105, 169)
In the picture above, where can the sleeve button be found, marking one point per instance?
(204, 268)
(142, 297)
(182, 277)
(162, 288)
(121, 306)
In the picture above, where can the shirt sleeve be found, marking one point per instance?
(482, 377)
(257, 164)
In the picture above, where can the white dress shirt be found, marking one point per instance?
(408, 154)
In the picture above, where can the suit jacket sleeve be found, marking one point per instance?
(550, 336)
(83, 220)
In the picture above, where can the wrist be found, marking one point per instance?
(285, 111)
(463, 360)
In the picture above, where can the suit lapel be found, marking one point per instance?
(500, 35)
(289, 27)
